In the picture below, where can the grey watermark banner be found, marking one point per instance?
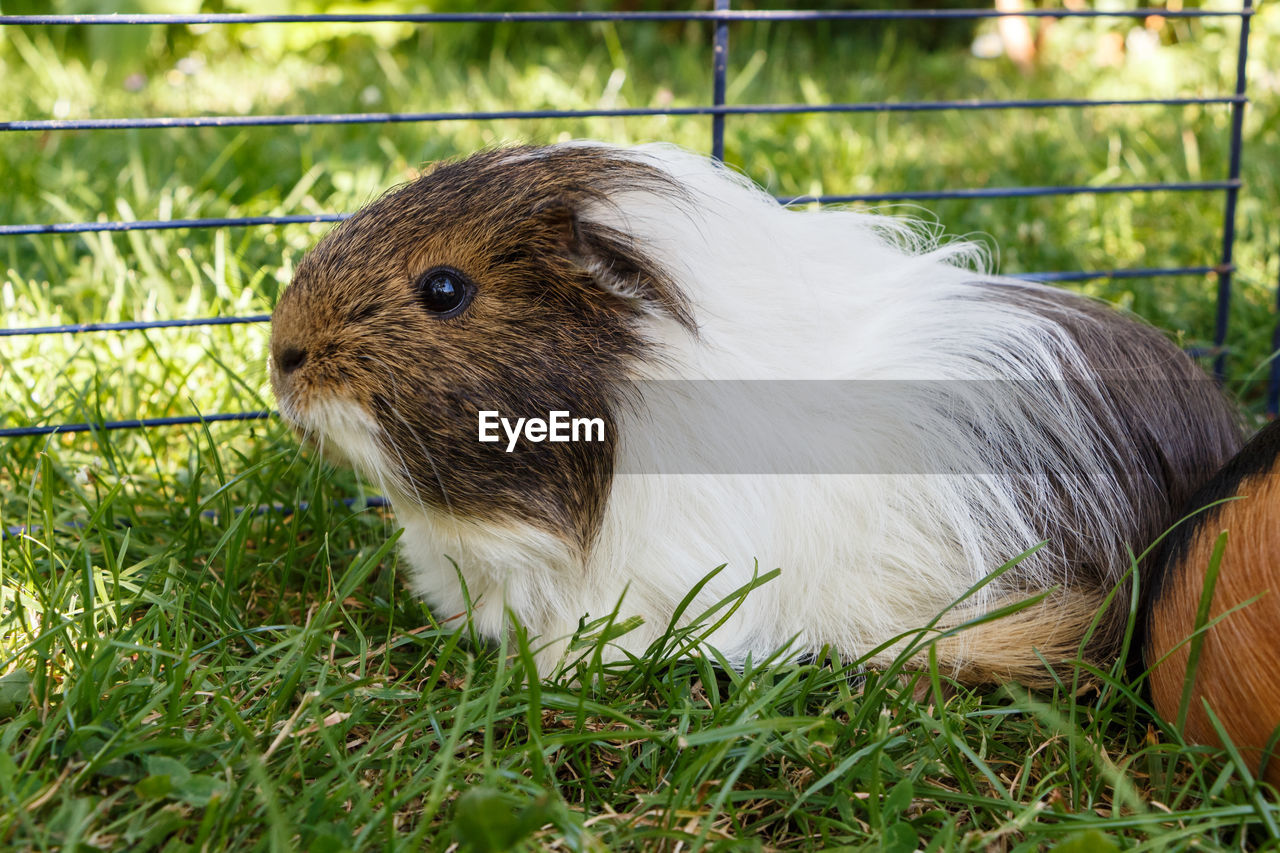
(973, 427)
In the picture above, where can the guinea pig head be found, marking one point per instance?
(484, 285)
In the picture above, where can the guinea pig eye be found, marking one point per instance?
(444, 291)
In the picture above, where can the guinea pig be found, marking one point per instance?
(628, 286)
(1236, 659)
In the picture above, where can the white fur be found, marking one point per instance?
(827, 294)
(345, 432)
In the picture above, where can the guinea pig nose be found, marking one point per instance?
(290, 359)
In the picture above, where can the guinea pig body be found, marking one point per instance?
(1238, 658)
(586, 278)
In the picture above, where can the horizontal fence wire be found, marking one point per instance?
(136, 423)
(284, 510)
(969, 193)
(169, 224)
(1149, 272)
(729, 15)
(715, 110)
(722, 16)
(132, 325)
(1012, 192)
(144, 325)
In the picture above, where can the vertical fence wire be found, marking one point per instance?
(1273, 386)
(1233, 195)
(719, 73)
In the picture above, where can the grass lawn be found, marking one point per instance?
(177, 674)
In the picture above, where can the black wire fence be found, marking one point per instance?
(721, 20)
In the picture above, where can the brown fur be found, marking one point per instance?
(1161, 452)
(541, 334)
(1238, 671)
(1018, 646)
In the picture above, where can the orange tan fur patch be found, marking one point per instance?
(1239, 662)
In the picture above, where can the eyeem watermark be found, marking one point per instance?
(557, 427)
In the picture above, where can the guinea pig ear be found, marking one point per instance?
(559, 222)
(617, 265)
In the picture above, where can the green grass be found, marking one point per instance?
(177, 674)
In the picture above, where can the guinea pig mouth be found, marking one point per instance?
(328, 450)
(343, 432)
